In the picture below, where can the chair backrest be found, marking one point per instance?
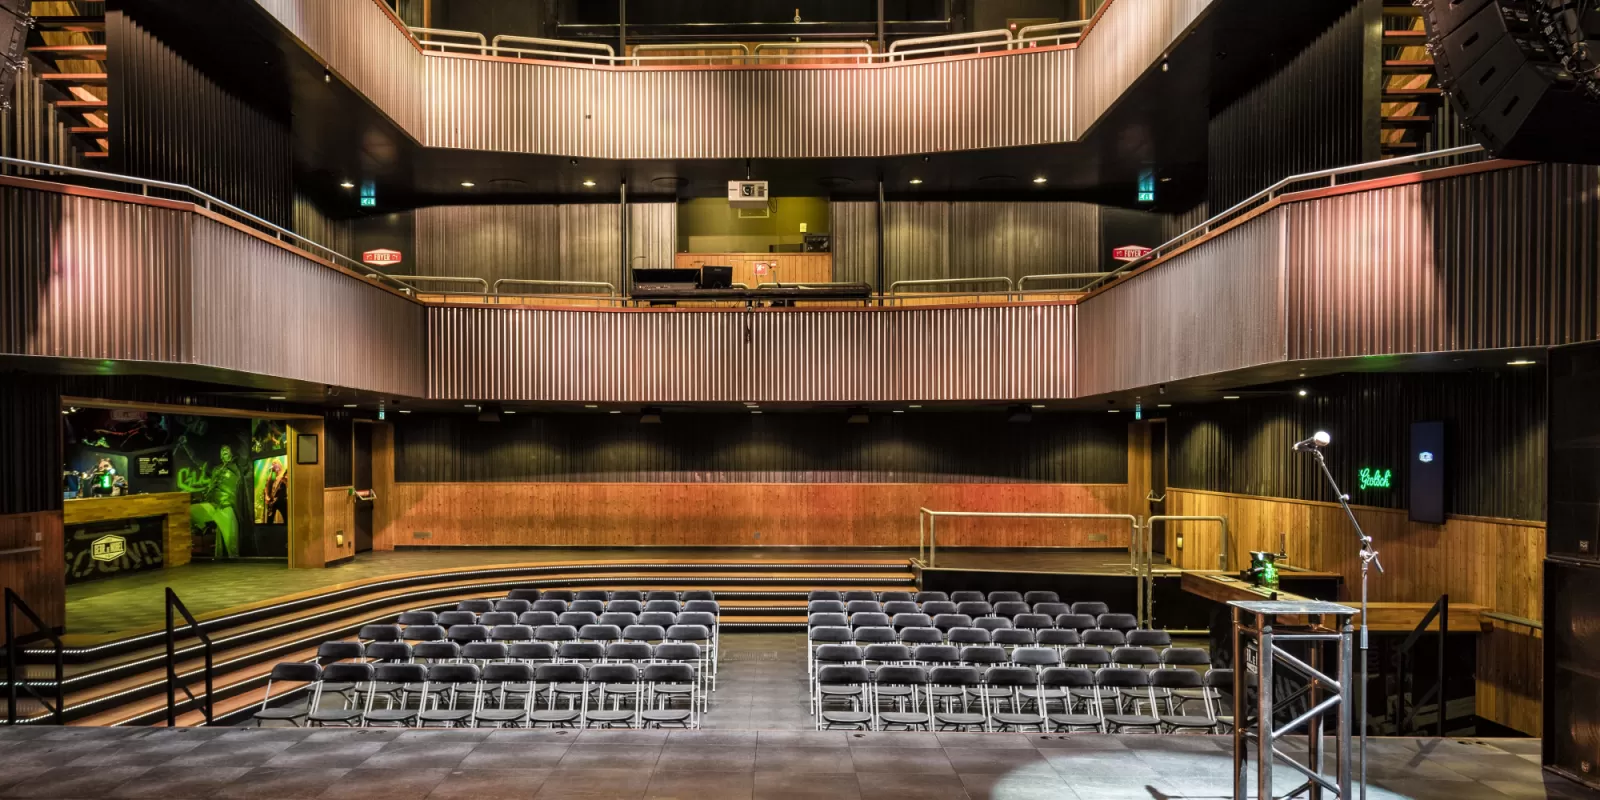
(394, 673)
(1010, 676)
(701, 607)
(1135, 656)
(1086, 657)
(453, 673)
(936, 654)
(1011, 608)
(900, 676)
(388, 651)
(1185, 657)
(533, 651)
(1102, 638)
(614, 673)
(1033, 621)
(1052, 610)
(824, 594)
(698, 618)
(1219, 679)
(581, 651)
(1117, 622)
(969, 636)
(1067, 677)
(1055, 637)
(523, 594)
(966, 596)
(494, 618)
(625, 607)
(678, 651)
(558, 673)
(600, 633)
(1034, 598)
(983, 654)
(863, 607)
(423, 633)
(1122, 677)
(1012, 637)
(1004, 597)
(468, 633)
(839, 653)
(555, 633)
(329, 652)
(515, 605)
(827, 620)
(1076, 622)
(302, 671)
(578, 619)
(825, 607)
(975, 608)
(561, 594)
(1035, 657)
(596, 607)
(537, 618)
(868, 635)
(698, 594)
(485, 651)
(419, 618)
(866, 619)
(380, 633)
(893, 607)
(1175, 678)
(886, 653)
(437, 651)
(475, 606)
(644, 633)
(1149, 638)
(949, 622)
(860, 594)
(663, 605)
(934, 608)
(830, 633)
(689, 633)
(621, 619)
(458, 617)
(926, 597)
(843, 674)
(665, 619)
(593, 594)
(629, 595)
(991, 623)
(1093, 608)
(348, 673)
(628, 651)
(926, 635)
(911, 620)
(661, 594)
(894, 597)
(954, 676)
(667, 673)
(508, 673)
(550, 604)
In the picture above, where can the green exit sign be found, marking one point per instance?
(1375, 478)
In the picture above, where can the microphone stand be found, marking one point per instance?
(1369, 557)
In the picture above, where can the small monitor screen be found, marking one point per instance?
(1427, 473)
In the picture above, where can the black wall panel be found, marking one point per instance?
(767, 448)
(171, 122)
(30, 445)
(1307, 116)
(1495, 435)
(338, 452)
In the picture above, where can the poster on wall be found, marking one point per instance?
(217, 461)
(117, 547)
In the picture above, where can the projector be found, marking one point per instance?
(747, 194)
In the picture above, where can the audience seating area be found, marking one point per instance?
(555, 658)
(1005, 661)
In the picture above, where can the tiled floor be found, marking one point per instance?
(283, 763)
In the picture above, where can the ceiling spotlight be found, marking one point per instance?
(349, 405)
(1302, 393)
(346, 185)
(614, 411)
(472, 405)
(858, 416)
(650, 416)
(588, 182)
(916, 181)
(467, 184)
(1521, 362)
(1163, 65)
(914, 405)
(1230, 397)
(899, 411)
(1038, 405)
(405, 411)
(1163, 405)
(1040, 179)
(327, 77)
(590, 405)
(1113, 411)
(508, 412)
(277, 397)
(755, 411)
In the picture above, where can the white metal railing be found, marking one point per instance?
(1010, 286)
(611, 289)
(1031, 35)
(846, 50)
(742, 55)
(1060, 276)
(419, 33)
(1272, 191)
(977, 40)
(414, 279)
(544, 47)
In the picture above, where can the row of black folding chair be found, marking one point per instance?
(1011, 638)
(974, 611)
(557, 608)
(923, 597)
(569, 595)
(555, 631)
(1076, 622)
(467, 695)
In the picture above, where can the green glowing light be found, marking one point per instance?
(1376, 478)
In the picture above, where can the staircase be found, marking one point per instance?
(1414, 116)
(67, 62)
(123, 681)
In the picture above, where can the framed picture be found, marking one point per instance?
(305, 448)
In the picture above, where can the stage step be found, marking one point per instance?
(124, 680)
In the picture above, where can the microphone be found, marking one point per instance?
(1318, 439)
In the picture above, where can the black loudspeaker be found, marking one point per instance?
(1572, 453)
(14, 26)
(1522, 73)
(1571, 683)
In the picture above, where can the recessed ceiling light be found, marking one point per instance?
(914, 406)
(1230, 397)
(347, 185)
(1038, 405)
(755, 411)
(1040, 179)
(405, 411)
(588, 183)
(614, 411)
(508, 412)
(590, 405)
(468, 184)
(916, 181)
(899, 411)
(349, 405)
(1166, 180)
(472, 405)
(277, 397)
(1113, 410)
(1521, 362)
(1302, 393)
(1163, 405)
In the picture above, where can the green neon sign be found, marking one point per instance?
(1376, 478)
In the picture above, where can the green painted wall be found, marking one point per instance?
(708, 225)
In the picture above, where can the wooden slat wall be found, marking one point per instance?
(1492, 562)
(39, 578)
(791, 267)
(676, 514)
(307, 548)
(338, 516)
(178, 542)
(384, 507)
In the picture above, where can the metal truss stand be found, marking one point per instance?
(1270, 625)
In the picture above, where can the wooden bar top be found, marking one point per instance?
(1387, 617)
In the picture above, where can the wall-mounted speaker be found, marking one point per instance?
(14, 26)
(1525, 74)
(1571, 684)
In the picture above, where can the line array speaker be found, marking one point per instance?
(1525, 74)
(14, 26)
(1571, 682)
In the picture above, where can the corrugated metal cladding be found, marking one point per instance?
(1505, 258)
(998, 353)
(361, 43)
(324, 326)
(975, 447)
(1214, 308)
(310, 222)
(854, 228)
(541, 242)
(652, 233)
(32, 130)
(1495, 437)
(1127, 39)
(30, 446)
(930, 240)
(86, 278)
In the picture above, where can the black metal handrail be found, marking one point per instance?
(1441, 610)
(14, 678)
(173, 603)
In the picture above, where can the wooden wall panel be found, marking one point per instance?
(338, 516)
(307, 550)
(694, 514)
(790, 267)
(39, 577)
(178, 544)
(1492, 562)
(384, 508)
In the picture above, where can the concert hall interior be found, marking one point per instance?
(950, 398)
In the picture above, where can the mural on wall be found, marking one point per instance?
(235, 471)
(116, 547)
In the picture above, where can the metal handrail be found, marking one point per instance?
(482, 42)
(1150, 544)
(1010, 286)
(445, 279)
(209, 202)
(742, 47)
(1073, 28)
(174, 604)
(1059, 276)
(866, 48)
(606, 48)
(1514, 619)
(968, 40)
(14, 680)
(1440, 609)
(1269, 192)
(611, 290)
(806, 284)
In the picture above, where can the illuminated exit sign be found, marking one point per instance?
(1375, 478)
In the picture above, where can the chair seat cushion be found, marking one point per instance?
(847, 717)
(500, 714)
(286, 712)
(335, 715)
(609, 715)
(391, 715)
(664, 714)
(1048, 694)
(1018, 719)
(903, 718)
(1188, 721)
(445, 715)
(1132, 720)
(1075, 720)
(960, 719)
(554, 715)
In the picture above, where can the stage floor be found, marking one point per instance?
(134, 603)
